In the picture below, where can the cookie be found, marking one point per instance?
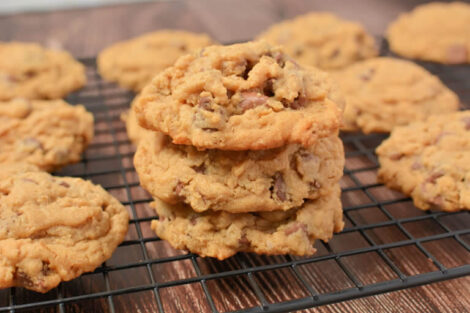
(322, 40)
(246, 96)
(430, 161)
(53, 229)
(437, 31)
(9, 169)
(221, 234)
(382, 93)
(134, 62)
(28, 70)
(134, 131)
(47, 133)
(238, 181)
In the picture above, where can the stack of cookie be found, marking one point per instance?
(242, 152)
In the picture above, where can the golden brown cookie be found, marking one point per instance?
(238, 181)
(382, 93)
(134, 62)
(53, 229)
(28, 70)
(437, 31)
(246, 96)
(47, 133)
(430, 161)
(221, 234)
(322, 40)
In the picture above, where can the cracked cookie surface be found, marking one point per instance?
(438, 32)
(47, 133)
(53, 229)
(322, 40)
(28, 70)
(430, 161)
(242, 97)
(221, 234)
(238, 181)
(382, 93)
(134, 62)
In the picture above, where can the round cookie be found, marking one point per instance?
(134, 62)
(437, 31)
(382, 93)
(221, 234)
(322, 40)
(53, 229)
(246, 96)
(28, 70)
(430, 161)
(47, 133)
(238, 181)
(134, 131)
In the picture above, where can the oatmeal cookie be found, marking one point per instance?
(47, 133)
(437, 31)
(221, 234)
(246, 96)
(238, 181)
(53, 229)
(382, 93)
(430, 161)
(322, 40)
(134, 62)
(28, 70)
(134, 131)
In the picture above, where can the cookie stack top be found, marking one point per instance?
(248, 96)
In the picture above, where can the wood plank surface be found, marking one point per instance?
(86, 32)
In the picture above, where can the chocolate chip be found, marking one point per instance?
(295, 227)
(466, 121)
(179, 188)
(251, 100)
(45, 268)
(201, 168)
(268, 88)
(64, 184)
(243, 241)
(23, 279)
(279, 187)
(298, 103)
(248, 68)
(33, 143)
(205, 103)
(230, 93)
(434, 176)
(457, 53)
(367, 74)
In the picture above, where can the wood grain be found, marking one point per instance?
(85, 33)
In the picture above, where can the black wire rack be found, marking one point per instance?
(402, 246)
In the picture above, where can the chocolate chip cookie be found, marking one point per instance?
(238, 181)
(382, 93)
(221, 234)
(247, 96)
(430, 161)
(437, 31)
(47, 133)
(53, 229)
(30, 71)
(322, 40)
(134, 62)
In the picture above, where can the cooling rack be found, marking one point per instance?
(403, 247)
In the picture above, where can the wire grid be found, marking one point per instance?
(144, 269)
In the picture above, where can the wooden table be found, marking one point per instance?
(86, 32)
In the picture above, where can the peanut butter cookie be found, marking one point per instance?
(53, 229)
(322, 40)
(437, 31)
(221, 234)
(246, 96)
(28, 70)
(134, 62)
(47, 133)
(238, 181)
(430, 161)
